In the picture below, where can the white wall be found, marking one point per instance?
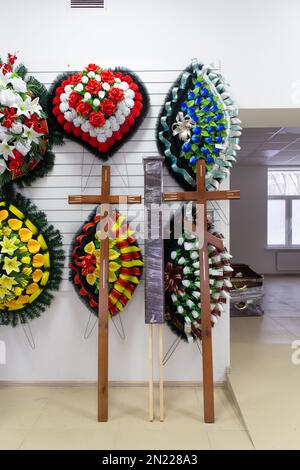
(71, 39)
(248, 219)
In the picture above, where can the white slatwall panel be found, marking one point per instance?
(76, 171)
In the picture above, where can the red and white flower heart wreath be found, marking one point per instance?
(99, 108)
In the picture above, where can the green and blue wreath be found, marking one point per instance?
(199, 120)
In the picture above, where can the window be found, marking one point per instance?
(284, 207)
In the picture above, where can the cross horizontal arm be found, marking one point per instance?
(181, 196)
(222, 195)
(109, 199)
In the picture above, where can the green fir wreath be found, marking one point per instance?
(31, 260)
(182, 284)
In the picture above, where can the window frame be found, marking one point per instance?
(288, 213)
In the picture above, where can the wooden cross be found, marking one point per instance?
(104, 199)
(201, 197)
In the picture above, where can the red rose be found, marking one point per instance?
(108, 107)
(116, 94)
(83, 108)
(107, 76)
(93, 87)
(97, 119)
(92, 68)
(76, 78)
(74, 99)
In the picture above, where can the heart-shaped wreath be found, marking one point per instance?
(31, 260)
(125, 263)
(25, 141)
(182, 284)
(99, 108)
(199, 121)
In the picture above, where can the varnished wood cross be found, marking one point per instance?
(104, 199)
(201, 197)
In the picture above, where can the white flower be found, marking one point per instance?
(31, 135)
(126, 111)
(129, 102)
(29, 107)
(2, 166)
(120, 119)
(9, 98)
(186, 283)
(180, 241)
(180, 309)
(101, 137)
(181, 260)
(17, 128)
(69, 88)
(173, 255)
(6, 149)
(23, 147)
(108, 133)
(101, 94)
(96, 102)
(3, 133)
(186, 270)
(123, 86)
(79, 87)
(87, 96)
(64, 97)
(18, 84)
(194, 254)
(129, 93)
(76, 122)
(68, 116)
(196, 294)
(97, 77)
(84, 79)
(91, 74)
(93, 133)
(117, 80)
(174, 298)
(190, 303)
(85, 126)
(64, 107)
(105, 86)
(195, 314)
(80, 119)
(106, 125)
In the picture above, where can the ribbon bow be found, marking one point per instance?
(182, 127)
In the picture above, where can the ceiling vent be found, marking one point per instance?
(87, 3)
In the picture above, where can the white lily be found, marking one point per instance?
(23, 147)
(31, 135)
(3, 132)
(10, 98)
(29, 107)
(6, 149)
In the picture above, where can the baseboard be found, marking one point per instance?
(113, 383)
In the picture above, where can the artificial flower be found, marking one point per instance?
(11, 264)
(9, 245)
(5, 149)
(31, 135)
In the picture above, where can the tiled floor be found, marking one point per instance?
(64, 418)
(264, 379)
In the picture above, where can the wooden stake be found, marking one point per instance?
(104, 199)
(150, 352)
(160, 368)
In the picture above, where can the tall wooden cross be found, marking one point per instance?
(104, 199)
(201, 197)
